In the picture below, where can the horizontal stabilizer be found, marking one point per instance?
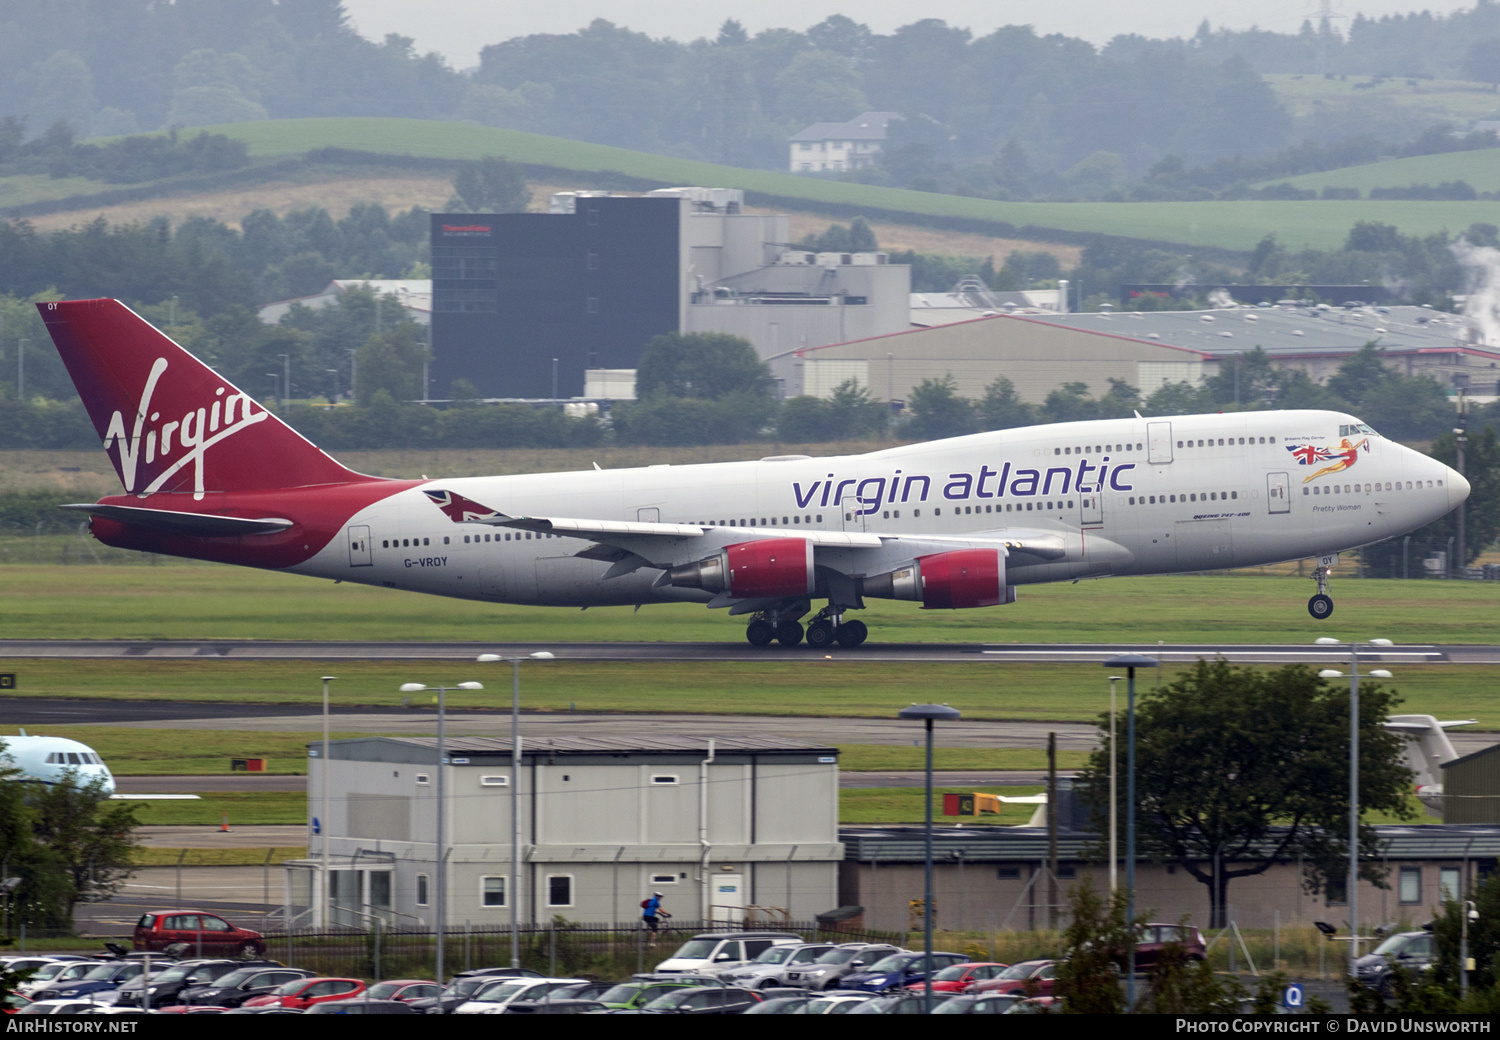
(201, 525)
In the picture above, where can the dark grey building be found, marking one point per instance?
(513, 291)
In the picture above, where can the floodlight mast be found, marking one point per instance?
(1353, 872)
(515, 786)
(442, 810)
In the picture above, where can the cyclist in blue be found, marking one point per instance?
(650, 911)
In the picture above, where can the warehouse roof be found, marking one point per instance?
(1287, 329)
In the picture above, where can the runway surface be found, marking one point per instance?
(1270, 653)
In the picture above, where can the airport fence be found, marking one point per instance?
(556, 947)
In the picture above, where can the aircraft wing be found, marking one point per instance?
(663, 545)
(1423, 727)
(205, 525)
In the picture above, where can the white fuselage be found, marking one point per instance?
(55, 760)
(1112, 497)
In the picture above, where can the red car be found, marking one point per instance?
(201, 931)
(302, 994)
(962, 978)
(1153, 938)
(1033, 978)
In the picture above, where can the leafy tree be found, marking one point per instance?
(492, 185)
(90, 835)
(1246, 768)
(1070, 403)
(1177, 986)
(391, 360)
(1098, 940)
(848, 413)
(1001, 408)
(707, 365)
(1178, 399)
(937, 411)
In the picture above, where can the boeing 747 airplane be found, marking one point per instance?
(211, 474)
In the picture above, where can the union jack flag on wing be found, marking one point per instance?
(460, 509)
(1305, 454)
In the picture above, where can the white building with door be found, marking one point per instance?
(719, 826)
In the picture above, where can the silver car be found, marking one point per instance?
(769, 969)
(844, 959)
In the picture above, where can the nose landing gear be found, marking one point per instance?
(1321, 605)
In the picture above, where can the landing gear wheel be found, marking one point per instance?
(760, 633)
(1320, 606)
(820, 635)
(852, 633)
(789, 633)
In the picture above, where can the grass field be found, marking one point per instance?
(1229, 225)
(1481, 169)
(243, 808)
(197, 601)
(808, 686)
(1442, 100)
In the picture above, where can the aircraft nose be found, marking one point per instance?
(1458, 489)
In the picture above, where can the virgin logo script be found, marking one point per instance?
(187, 438)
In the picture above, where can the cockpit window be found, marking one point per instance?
(1355, 429)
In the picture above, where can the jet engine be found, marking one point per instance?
(955, 580)
(770, 568)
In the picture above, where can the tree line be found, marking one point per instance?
(117, 67)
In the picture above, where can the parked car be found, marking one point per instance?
(840, 1003)
(491, 999)
(979, 1004)
(899, 970)
(404, 990)
(1022, 978)
(99, 983)
(643, 989)
(465, 984)
(240, 985)
(703, 1000)
(204, 933)
(301, 994)
(903, 1003)
(1412, 952)
(165, 985)
(715, 951)
(961, 978)
(1151, 939)
(553, 1007)
(769, 969)
(844, 959)
(361, 1006)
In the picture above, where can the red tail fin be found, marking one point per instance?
(167, 420)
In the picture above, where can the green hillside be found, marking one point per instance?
(1432, 100)
(1229, 225)
(1481, 169)
(1237, 225)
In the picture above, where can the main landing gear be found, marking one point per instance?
(826, 628)
(1321, 605)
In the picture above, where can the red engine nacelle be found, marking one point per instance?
(770, 568)
(957, 580)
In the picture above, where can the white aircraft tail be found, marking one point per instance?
(1427, 749)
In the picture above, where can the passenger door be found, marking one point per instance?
(359, 547)
(1278, 497)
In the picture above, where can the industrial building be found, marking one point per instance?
(996, 878)
(527, 304)
(1038, 351)
(717, 826)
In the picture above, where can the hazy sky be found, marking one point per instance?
(459, 28)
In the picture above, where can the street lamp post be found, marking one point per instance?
(928, 713)
(1114, 769)
(323, 823)
(1353, 876)
(1130, 662)
(442, 807)
(515, 786)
